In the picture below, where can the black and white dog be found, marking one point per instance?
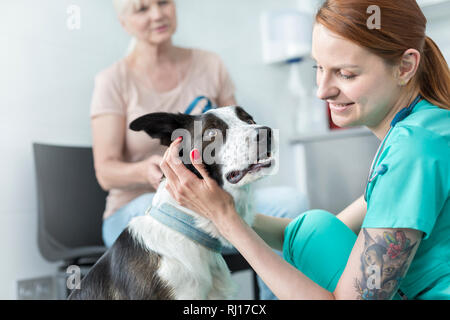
(152, 260)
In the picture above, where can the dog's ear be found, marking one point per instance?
(161, 125)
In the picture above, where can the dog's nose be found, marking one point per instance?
(264, 140)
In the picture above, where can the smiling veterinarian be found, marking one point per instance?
(403, 246)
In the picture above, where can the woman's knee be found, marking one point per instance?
(318, 219)
(139, 205)
(319, 224)
(318, 244)
(302, 227)
(117, 222)
(284, 202)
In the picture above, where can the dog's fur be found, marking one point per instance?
(150, 260)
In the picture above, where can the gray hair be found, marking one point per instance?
(122, 7)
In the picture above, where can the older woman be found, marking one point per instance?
(155, 76)
(393, 241)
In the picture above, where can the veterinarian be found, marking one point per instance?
(156, 76)
(392, 242)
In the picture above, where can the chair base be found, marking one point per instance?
(236, 262)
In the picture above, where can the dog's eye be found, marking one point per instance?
(211, 133)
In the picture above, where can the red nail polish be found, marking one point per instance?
(180, 138)
(195, 154)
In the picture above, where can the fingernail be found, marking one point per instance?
(180, 138)
(195, 154)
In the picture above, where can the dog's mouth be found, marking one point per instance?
(235, 176)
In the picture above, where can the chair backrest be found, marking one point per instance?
(70, 203)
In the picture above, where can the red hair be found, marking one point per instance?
(402, 27)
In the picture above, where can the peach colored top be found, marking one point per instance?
(118, 91)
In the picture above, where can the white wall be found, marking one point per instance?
(438, 28)
(46, 82)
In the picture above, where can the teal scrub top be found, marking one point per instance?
(414, 193)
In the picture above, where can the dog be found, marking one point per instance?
(152, 260)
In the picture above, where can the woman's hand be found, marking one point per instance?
(153, 171)
(203, 196)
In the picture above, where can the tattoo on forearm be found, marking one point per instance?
(384, 263)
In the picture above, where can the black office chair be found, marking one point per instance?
(70, 208)
(70, 205)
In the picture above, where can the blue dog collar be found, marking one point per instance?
(185, 224)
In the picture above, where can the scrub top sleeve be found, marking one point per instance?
(413, 191)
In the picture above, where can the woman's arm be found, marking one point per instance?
(108, 134)
(353, 215)
(285, 281)
(378, 263)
